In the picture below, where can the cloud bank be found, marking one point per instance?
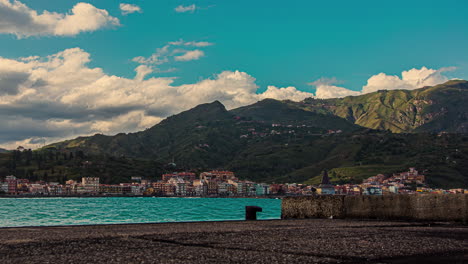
(18, 19)
(46, 99)
(409, 80)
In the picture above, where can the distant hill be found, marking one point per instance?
(206, 135)
(3, 150)
(280, 141)
(430, 109)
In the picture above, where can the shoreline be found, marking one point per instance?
(135, 196)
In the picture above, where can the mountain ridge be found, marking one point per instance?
(285, 141)
(439, 108)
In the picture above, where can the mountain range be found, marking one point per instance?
(285, 141)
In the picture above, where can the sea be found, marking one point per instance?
(17, 212)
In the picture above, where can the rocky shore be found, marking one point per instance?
(276, 241)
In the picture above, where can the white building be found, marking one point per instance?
(90, 184)
(180, 186)
(4, 187)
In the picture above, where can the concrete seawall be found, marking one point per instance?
(423, 207)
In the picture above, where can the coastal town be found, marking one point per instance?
(220, 183)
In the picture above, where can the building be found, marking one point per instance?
(326, 187)
(262, 189)
(4, 187)
(163, 188)
(212, 187)
(180, 186)
(90, 184)
(373, 191)
(186, 176)
(218, 175)
(12, 182)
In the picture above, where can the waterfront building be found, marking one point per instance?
(200, 187)
(179, 184)
(4, 187)
(223, 188)
(110, 189)
(54, 188)
(12, 182)
(212, 187)
(137, 189)
(37, 189)
(250, 188)
(163, 188)
(262, 189)
(90, 184)
(241, 188)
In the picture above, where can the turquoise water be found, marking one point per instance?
(116, 210)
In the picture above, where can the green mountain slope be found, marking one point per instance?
(284, 141)
(274, 111)
(430, 109)
(189, 135)
(205, 135)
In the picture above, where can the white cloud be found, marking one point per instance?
(410, 80)
(184, 9)
(287, 93)
(191, 43)
(129, 8)
(326, 89)
(173, 51)
(331, 91)
(18, 19)
(142, 71)
(59, 96)
(190, 55)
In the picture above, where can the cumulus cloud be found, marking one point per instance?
(331, 91)
(287, 93)
(18, 19)
(129, 8)
(184, 9)
(325, 88)
(190, 55)
(51, 98)
(409, 80)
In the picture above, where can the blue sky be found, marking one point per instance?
(282, 43)
(83, 80)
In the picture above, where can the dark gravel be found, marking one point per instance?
(278, 241)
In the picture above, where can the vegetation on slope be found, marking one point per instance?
(430, 109)
(275, 141)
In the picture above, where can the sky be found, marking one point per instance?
(71, 68)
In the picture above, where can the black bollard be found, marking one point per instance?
(251, 212)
